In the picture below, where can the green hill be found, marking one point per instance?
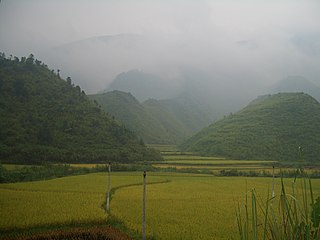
(135, 116)
(44, 118)
(169, 121)
(173, 125)
(192, 113)
(271, 127)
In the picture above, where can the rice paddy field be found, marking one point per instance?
(188, 161)
(178, 205)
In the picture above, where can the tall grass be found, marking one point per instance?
(294, 215)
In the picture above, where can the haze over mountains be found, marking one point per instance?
(189, 106)
(230, 44)
(297, 84)
(143, 85)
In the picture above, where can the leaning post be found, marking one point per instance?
(108, 192)
(273, 181)
(144, 207)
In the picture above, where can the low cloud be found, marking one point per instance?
(233, 43)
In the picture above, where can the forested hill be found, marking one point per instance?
(167, 121)
(135, 116)
(271, 127)
(44, 118)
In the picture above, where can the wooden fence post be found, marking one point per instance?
(108, 192)
(144, 207)
(273, 194)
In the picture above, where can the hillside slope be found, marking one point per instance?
(135, 116)
(44, 118)
(271, 127)
(168, 121)
(174, 126)
(192, 113)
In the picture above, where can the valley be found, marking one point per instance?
(57, 142)
(187, 196)
(153, 120)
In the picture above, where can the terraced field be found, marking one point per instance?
(190, 162)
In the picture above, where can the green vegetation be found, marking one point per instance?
(191, 112)
(281, 126)
(135, 116)
(293, 215)
(44, 118)
(156, 121)
(8, 174)
(168, 121)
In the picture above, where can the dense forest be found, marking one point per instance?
(44, 118)
(284, 126)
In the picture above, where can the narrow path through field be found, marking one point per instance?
(113, 190)
(114, 222)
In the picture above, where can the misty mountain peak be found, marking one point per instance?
(297, 84)
(142, 85)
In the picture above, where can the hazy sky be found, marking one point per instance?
(260, 41)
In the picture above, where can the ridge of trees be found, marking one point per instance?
(44, 118)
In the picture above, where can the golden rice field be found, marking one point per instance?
(187, 161)
(59, 201)
(186, 206)
(191, 206)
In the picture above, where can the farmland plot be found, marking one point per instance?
(191, 207)
(179, 206)
(63, 201)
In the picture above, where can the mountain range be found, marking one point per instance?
(176, 114)
(140, 107)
